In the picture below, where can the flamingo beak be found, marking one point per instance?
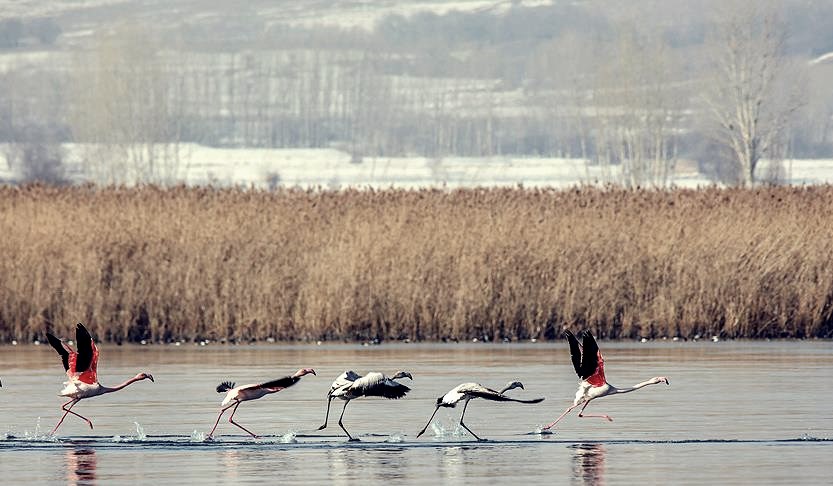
(312, 371)
(149, 377)
(667, 382)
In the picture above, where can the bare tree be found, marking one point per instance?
(749, 113)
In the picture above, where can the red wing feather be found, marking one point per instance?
(592, 362)
(85, 363)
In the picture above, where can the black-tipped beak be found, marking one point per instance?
(150, 377)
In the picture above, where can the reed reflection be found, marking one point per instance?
(589, 463)
(81, 465)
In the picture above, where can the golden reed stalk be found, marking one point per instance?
(167, 264)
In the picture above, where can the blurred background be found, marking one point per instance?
(326, 93)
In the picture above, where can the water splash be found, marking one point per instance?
(539, 429)
(396, 438)
(139, 437)
(197, 436)
(140, 432)
(288, 438)
(38, 435)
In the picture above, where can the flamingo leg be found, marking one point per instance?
(569, 409)
(66, 410)
(581, 413)
(351, 438)
(210, 434)
(464, 425)
(231, 421)
(327, 416)
(429, 422)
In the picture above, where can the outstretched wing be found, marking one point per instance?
(80, 365)
(575, 352)
(377, 385)
(280, 383)
(592, 363)
(62, 348)
(86, 360)
(343, 380)
(480, 391)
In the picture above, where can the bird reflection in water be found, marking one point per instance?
(589, 463)
(81, 466)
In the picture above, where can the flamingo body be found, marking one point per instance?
(589, 365)
(350, 385)
(465, 392)
(235, 395)
(81, 367)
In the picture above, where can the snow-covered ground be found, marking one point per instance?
(332, 169)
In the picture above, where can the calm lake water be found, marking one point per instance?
(735, 413)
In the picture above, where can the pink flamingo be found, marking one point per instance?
(590, 367)
(236, 395)
(81, 368)
(465, 392)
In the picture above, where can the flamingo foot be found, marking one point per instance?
(353, 439)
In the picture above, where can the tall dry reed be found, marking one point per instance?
(165, 264)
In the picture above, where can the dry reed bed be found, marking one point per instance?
(164, 264)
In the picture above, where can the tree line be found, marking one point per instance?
(726, 94)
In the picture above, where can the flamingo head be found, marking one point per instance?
(305, 371)
(402, 374)
(514, 384)
(144, 376)
(661, 379)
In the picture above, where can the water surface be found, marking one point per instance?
(736, 412)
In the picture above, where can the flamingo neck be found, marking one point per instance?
(633, 388)
(107, 389)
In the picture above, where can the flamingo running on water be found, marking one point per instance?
(236, 395)
(350, 385)
(81, 367)
(590, 367)
(467, 391)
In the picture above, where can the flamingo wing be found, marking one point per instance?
(62, 348)
(479, 391)
(85, 362)
(575, 352)
(377, 385)
(592, 363)
(280, 383)
(343, 380)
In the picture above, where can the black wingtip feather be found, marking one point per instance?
(59, 347)
(225, 386)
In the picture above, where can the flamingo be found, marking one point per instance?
(467, 391)
(81, 368)
(236, 395)
(350, 385)
(590, 367)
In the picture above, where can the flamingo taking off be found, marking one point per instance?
(81, 368)
(467, 391)
(350, 385)
(590, 367)
(236, 395)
